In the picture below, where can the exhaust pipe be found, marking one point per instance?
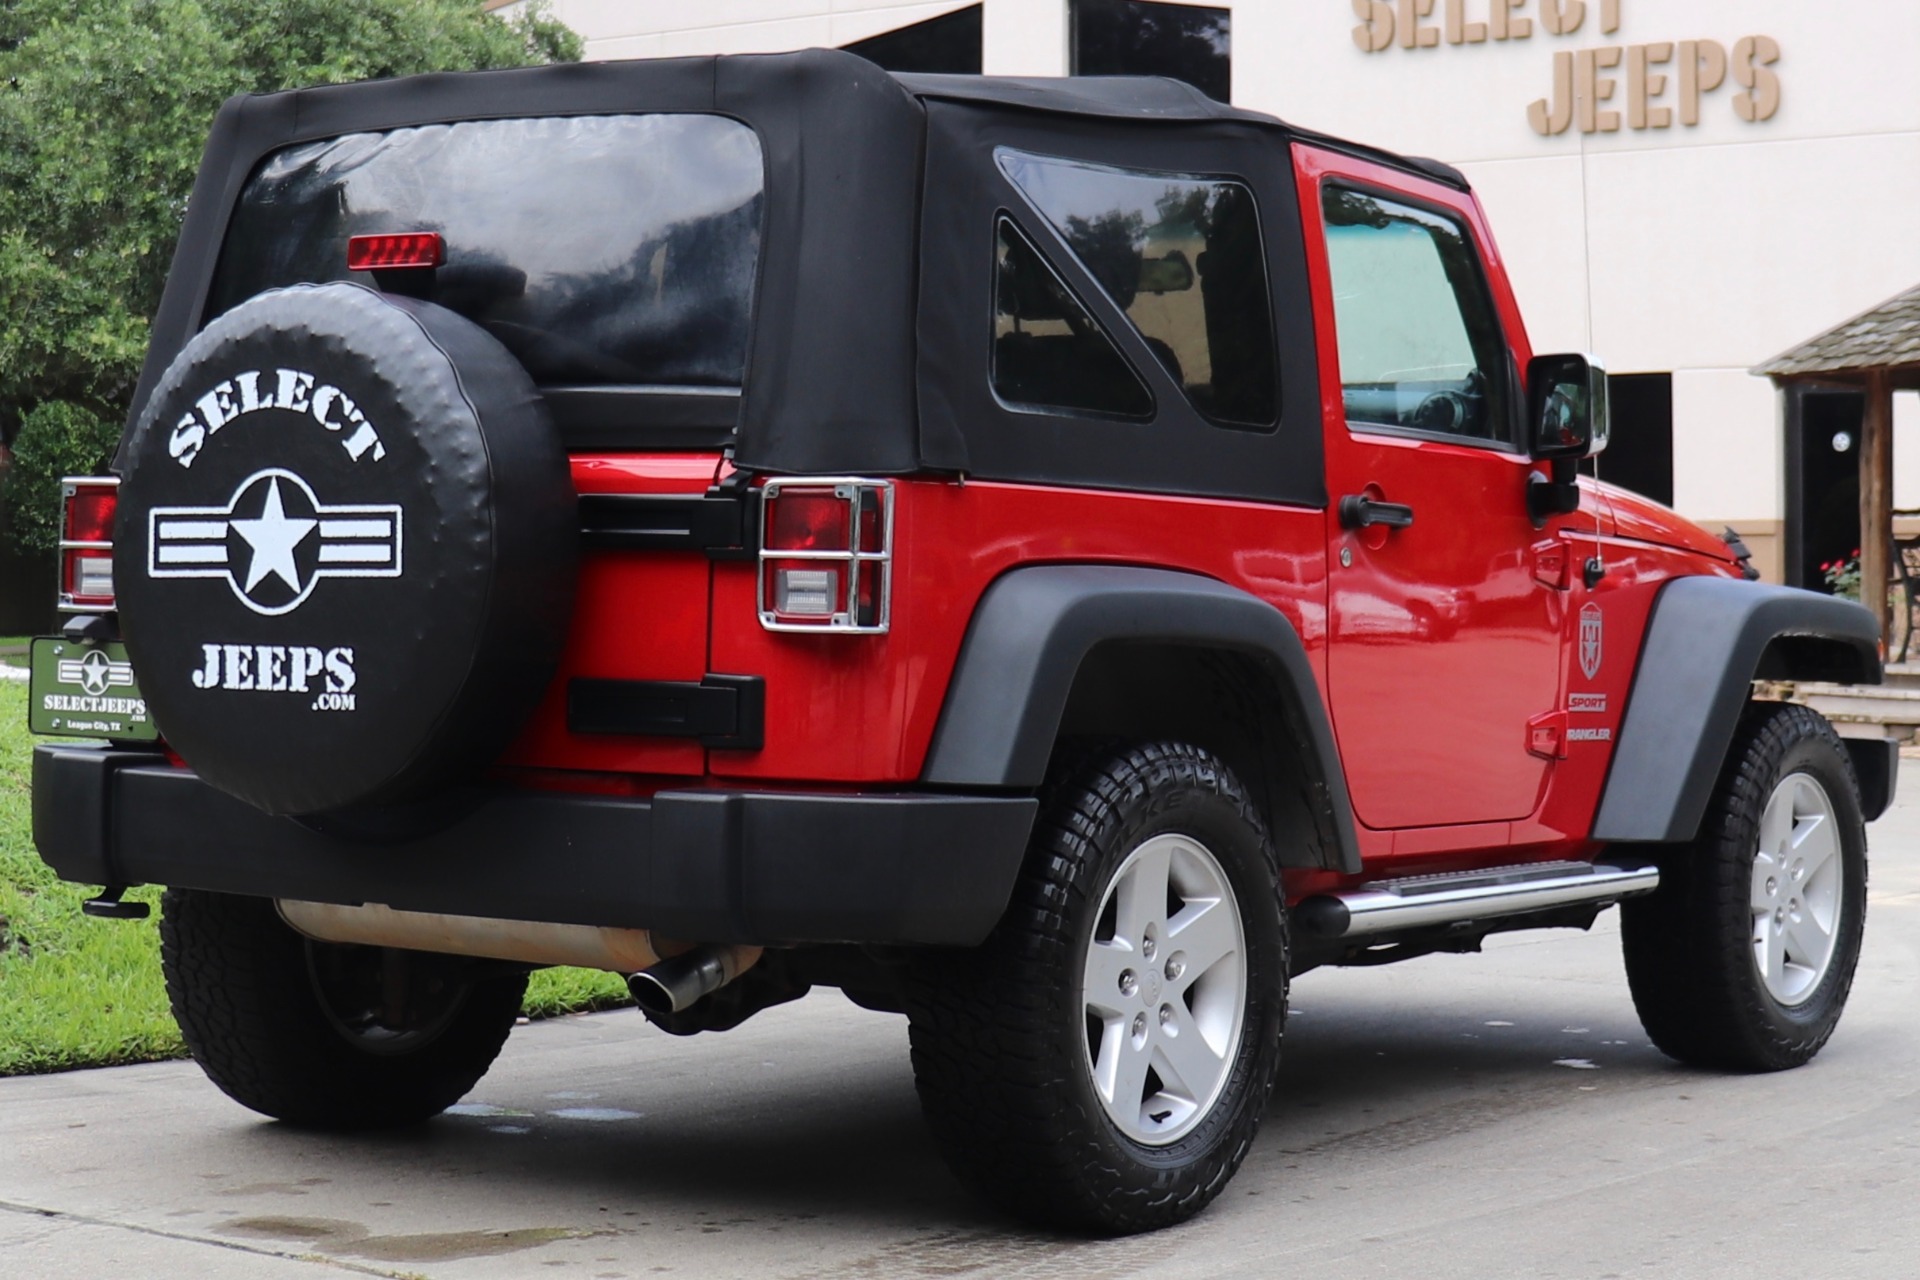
(528, 941)
(658, 985)
(677, 982)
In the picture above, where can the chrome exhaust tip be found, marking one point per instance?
(678, 982)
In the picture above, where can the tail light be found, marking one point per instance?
(86, 543)
(826, 555)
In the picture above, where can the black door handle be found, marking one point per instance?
(1360, 512)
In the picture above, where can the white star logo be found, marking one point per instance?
(312, 541)
(273, 537)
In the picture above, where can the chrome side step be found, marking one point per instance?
(1463, 897)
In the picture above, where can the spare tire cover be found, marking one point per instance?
(345, 549)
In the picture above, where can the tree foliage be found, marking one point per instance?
(104, 107)
(57, 439)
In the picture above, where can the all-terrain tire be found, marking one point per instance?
(1008, 1038)
(1694, 948)
(247, 992)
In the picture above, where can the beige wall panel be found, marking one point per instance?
(1535, 209)
(1025, 38)
(610, 19)
(1906, 450)
(1721, 256)
(614, 49)
(1726, 445)
(749, 37)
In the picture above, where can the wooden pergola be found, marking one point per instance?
(1877, 351)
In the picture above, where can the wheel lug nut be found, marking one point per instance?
(1129, 982)
(1139, 1027)
(1166, 1015)
(1773, 885)
(1175, 967)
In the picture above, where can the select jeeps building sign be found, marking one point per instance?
(1651, 85)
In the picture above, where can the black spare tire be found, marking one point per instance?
(345, 549)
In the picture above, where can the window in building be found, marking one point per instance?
(1420, 346)
(1639, 456)
(1048, 351)
(1181, 257)
(948, 44)
(1129, 38)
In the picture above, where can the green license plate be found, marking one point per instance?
(86, 691)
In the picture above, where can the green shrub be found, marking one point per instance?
(104, 108)
(56, 439)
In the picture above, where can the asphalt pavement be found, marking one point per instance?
(1458, 1116)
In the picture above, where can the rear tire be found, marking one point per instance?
(1101, 1063)
(1743, 959)
(322, 1035)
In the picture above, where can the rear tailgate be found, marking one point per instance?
(638, 616)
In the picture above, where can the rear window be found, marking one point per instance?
(601, 250)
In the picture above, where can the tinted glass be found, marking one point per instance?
(601, 250)
(1129, 38)
(1048, 352)
(1419, 344)
(1182, 257)
(948, 44)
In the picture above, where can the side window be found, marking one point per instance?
(1182, 257)
(1048, 352)
(1419, 343)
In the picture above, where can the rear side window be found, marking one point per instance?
(601, 250)
(1182, 257)
(1048, 352)
(1420, 345)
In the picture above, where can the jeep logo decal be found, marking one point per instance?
(95, 673)
(273, 541)
(290, 390)
(1590, 640)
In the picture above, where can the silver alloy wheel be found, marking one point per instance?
(1798, 876)
(1164, 989)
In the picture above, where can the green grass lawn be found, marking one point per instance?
(79, 992)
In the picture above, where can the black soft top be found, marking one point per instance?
(833, 379)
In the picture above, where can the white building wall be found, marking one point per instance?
(1025, 38)
(1906, 450)
(1697, 250)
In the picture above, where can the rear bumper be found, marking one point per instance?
(701, 865)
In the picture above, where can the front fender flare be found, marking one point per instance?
(1703, 649)
(1034, 627)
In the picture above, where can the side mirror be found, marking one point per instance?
(1567, 414)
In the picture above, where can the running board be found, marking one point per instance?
(1464, 897)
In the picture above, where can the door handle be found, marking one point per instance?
(1357, 511)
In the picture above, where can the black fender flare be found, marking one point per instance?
(1034, 626)
(1704, 646)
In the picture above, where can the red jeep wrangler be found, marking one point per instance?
(1051, 558)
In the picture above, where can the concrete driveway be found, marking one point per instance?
(1471, 1116)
